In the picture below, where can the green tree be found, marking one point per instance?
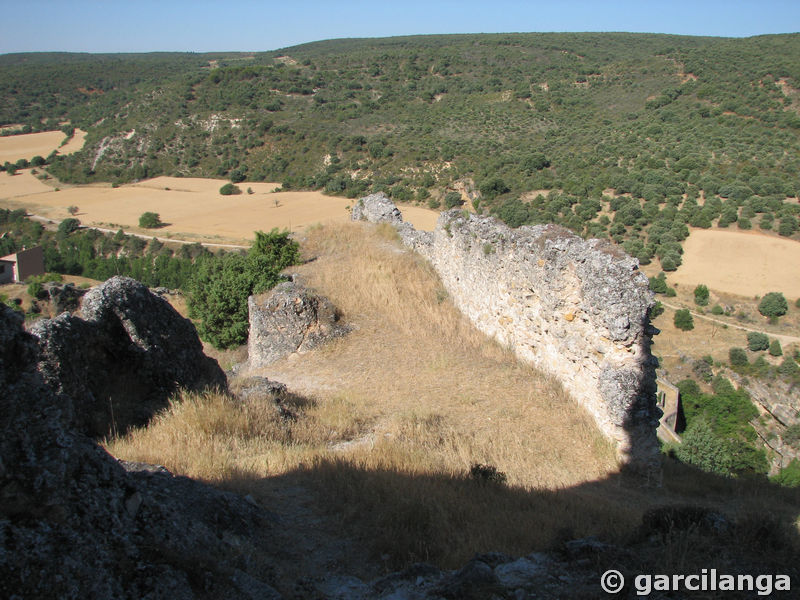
(738, 357)
(150, 220)
(773, 304)
(757, 341)
(702, 449)
(452, 199)
(683, 319)
(229, 190)
(701, 295)
(775, 348)
(493, 187)
(67, 226)
(219, 290)
(788, 476)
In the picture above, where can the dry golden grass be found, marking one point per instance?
(14, 147)
(386, 422)
(192, 208)
(739, 262)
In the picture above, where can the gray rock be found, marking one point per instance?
(289, 319)
(521, 573)
(124, 359)
(376, 208)
(75, 524)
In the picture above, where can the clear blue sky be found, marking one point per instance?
(249, 25)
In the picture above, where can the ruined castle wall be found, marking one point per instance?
(576, 309)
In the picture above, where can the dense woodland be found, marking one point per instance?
(685, 130)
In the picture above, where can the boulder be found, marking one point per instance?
(289, 319)
(76, 523)
(123, 360)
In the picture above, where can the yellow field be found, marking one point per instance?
(193, 208)
(14, 147)
(741, 263)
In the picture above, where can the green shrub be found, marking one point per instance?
(657, 310)
(453, 199)
(773, 305)
(67, 226)
(757, 341)
(701, 295)
(219, 290)
(792, 435)
(683, 319)
(789, 476)
(717, 310)
(775, 348)
(229, 190)
(738, 357)
(150, 220)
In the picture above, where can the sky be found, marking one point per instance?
(249, 25)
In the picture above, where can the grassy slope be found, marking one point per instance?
(392, 417)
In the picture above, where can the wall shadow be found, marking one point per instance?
(695, 521)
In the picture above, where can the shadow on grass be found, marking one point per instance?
(696, 521)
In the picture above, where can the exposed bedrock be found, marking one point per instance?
(289, 319)
(76, 523)
(123, 360)
(577, 309)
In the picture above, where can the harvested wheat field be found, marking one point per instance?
(741, 263)
(192, 208)
(15, 147)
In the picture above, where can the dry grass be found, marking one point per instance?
(740, 262)
(387, 422)
(192, 208)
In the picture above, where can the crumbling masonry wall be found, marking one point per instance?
(577, 309)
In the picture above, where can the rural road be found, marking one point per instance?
(781, 337)
(141, 235)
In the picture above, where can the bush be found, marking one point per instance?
(150, 220)
(789, 476)
(773, 305)
(659, 284)
(229, 190)
(717, 310)
(491, 188)
(792, 435)
(701, 295)
(67, 226)
(219, 290)
(757, 341)
(683, 319)
(775, 348)
(657, 310)
(452, 199)
(738, 357)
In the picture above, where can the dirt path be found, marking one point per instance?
(781, 337)
(310, 542)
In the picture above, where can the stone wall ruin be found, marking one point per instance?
(577, 309)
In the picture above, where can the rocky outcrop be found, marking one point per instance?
(575, 308)
(123, 360)
(289, 319)
(76, 523)
(378, 208)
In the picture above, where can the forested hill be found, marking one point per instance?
(655, 116)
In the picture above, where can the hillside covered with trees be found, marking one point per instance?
(683, 130)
